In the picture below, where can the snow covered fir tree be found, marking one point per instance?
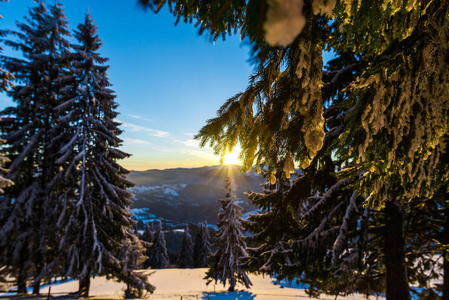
(148, 237)
(230, 249)
(68, 212)
(159, 257)
(132, 258)
(30, 206)
(185, 258)
(201, 250)
(92, 179)
(148, 233)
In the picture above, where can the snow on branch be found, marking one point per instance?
(324, 198)
(342, 73)
(341, 239)
(28, 149)
(318, 230)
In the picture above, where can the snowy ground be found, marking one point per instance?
(188, 284)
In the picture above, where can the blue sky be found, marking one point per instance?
(168, 80)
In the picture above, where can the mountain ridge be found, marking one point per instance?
(188, 195)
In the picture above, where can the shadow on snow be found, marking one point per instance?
(239, 295)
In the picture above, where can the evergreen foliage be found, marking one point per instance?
(5, 75)
(185, 258)
(4, 182)
(148, 233)
(68, 212)
(370, 133)
(29, 208)
(148, 237)
(5, 82)
(96, 214)
(201, 250)
(159, 257)
(230, 249)
(131, 259)
(265, 226)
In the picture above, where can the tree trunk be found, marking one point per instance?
(232, 283)
(127, 281)
(21, 282)
(128, 290)
(445, 254)
(84, 286)
(445, 277)
(394, 249)
(39, 269)
(37, 287)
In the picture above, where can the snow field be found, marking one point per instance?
(172, 284)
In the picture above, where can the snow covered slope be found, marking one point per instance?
(172, 284)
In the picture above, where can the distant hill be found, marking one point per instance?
(177, 196)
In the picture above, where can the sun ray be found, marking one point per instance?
(232, 158)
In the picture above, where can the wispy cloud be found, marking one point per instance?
(202, 154)
(189, 143)
(139, 117)
(137, 128)
(130, 141)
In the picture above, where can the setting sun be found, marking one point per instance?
(232, 158)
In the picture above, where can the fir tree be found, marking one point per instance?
(304, 229)
(230, 249)
(148, 233)
(30, 206)
(185, 257)
(303, 222)
(148, 237)
(382, 151)
(159, 258)
(201, 250)
(4, 182)
(5, 83)
(275, 216)
(132, 258)
(96, 216)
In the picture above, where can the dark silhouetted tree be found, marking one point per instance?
(185, 257)
(159, 257)
(201, 249)
(30, 208)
